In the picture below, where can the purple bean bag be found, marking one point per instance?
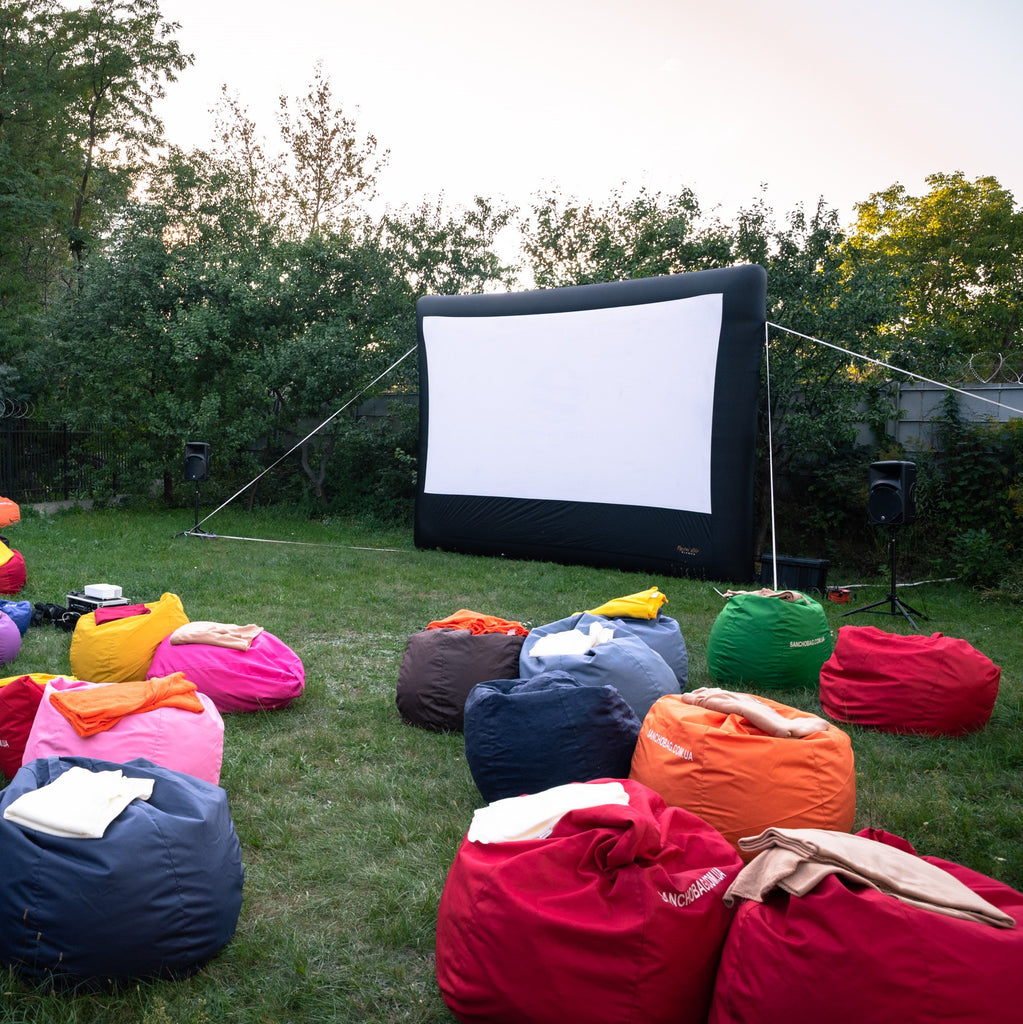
(10, 639)
(267, 676)
(184, 741)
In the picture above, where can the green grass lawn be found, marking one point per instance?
(349, 819)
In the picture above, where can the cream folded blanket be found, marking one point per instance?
(219, 634)
(534, 815)
(755, 712)
(796, 860)
(79, 804)
(572, 641)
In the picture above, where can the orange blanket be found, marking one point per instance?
(101, 707)
(477, 622)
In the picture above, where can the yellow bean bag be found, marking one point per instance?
(122, 650)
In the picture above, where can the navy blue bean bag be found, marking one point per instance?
(20, 612)
(626, 661)
(528, 735)
(158, 895)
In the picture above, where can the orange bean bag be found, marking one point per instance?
(122, 650)
(741, 779)
(10, 512)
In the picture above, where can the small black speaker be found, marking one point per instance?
(891, 498)
(197, 461)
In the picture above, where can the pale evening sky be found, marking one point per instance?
(806, 97)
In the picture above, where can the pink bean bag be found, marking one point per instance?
(121, 651)
(183, 741)
(935, 685)
(848, 953)
(267, 676)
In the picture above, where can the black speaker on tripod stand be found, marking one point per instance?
(891, 496)
(891, 502)
(197, 468)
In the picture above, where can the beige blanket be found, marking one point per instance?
(796, 860)
(219, 634)
(755, 712)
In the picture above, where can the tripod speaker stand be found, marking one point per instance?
(895, 606)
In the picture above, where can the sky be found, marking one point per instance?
(791, 100)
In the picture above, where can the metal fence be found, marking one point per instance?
(40, 464)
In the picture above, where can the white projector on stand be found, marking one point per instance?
(95, 595)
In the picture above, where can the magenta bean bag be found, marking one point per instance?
(267, 676)
(183, 741)
(10, 639)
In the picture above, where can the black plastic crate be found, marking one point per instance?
(802, 574)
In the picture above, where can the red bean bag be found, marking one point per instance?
(846, 954)
(615, 916)
(269, 675)
(935, 685)
(19, 699)
(13, 575)
(740, 779)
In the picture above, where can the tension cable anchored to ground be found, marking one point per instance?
(867, 359)
(195, 531)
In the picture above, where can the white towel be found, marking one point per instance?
(534, 815)
(572, 641)
(79, 804)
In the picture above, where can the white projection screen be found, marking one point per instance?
(608, 424)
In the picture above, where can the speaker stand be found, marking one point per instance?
(195, 531)
(895, 606)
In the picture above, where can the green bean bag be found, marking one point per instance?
(768, 641)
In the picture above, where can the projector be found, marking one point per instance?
(78, 601)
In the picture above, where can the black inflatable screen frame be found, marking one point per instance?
(704, 530)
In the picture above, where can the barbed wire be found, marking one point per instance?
(993, 368)
(11, 409)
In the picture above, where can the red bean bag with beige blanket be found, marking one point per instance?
(935, 685)
(741, 778)
(848, 953)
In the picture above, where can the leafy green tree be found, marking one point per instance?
(569, 242)
(331, 166)
(77, 88)
(813, 395)
(952, 260)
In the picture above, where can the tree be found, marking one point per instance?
(567, 242)
(77, 88)
(953, 261)
(330, 165)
